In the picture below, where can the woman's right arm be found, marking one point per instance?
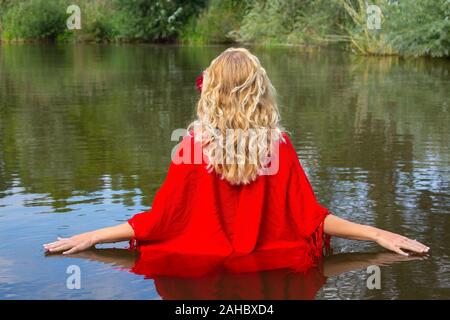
(167, 217)
(86, 240)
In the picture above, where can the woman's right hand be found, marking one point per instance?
(71, 245)
(121, 232)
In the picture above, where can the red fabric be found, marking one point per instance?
(196, 212)
(260, 275)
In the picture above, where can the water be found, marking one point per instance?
(85, 143)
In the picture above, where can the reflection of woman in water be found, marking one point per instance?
(244, 196)
(257, 276)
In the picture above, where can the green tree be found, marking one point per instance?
(154, 20)
(420, 27)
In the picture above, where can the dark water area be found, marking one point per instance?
(85, 142)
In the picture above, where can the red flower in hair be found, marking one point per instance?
(199, 82)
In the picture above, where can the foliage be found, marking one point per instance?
(156, 20)
(98, 23)
(420, 27)
(33, 19)
(354, 28)
(289, 21)
(218, 23)
(408, 27)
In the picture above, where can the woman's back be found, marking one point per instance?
(196, 211)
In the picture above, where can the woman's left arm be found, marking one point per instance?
(335, 226)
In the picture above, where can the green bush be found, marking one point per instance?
(354, 32)
(269, 21)
(409, 27)
(33, 20)
(419, 27)
(289, 21)
(154, 20)
(102, 20)
(218, 23)
(98, 21)
(315, 21)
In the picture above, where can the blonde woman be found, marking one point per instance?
(235, 185)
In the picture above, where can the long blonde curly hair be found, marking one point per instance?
(238, 118)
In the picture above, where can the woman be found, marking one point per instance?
(235, 185)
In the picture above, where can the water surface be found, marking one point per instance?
(85, 143)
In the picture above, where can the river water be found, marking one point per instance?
(85, 143)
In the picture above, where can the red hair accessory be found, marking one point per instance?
(199, 82)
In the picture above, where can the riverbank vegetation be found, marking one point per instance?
(399, 27)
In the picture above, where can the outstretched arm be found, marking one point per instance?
(86, 240)
(335, 226)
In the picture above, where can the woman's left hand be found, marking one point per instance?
(399, 243)
(335, 226)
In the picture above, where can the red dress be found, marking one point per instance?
(265, 274)
(196, 212)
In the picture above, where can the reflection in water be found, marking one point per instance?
(264, 275)
(85, 143)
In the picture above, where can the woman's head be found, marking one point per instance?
(237, 100)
